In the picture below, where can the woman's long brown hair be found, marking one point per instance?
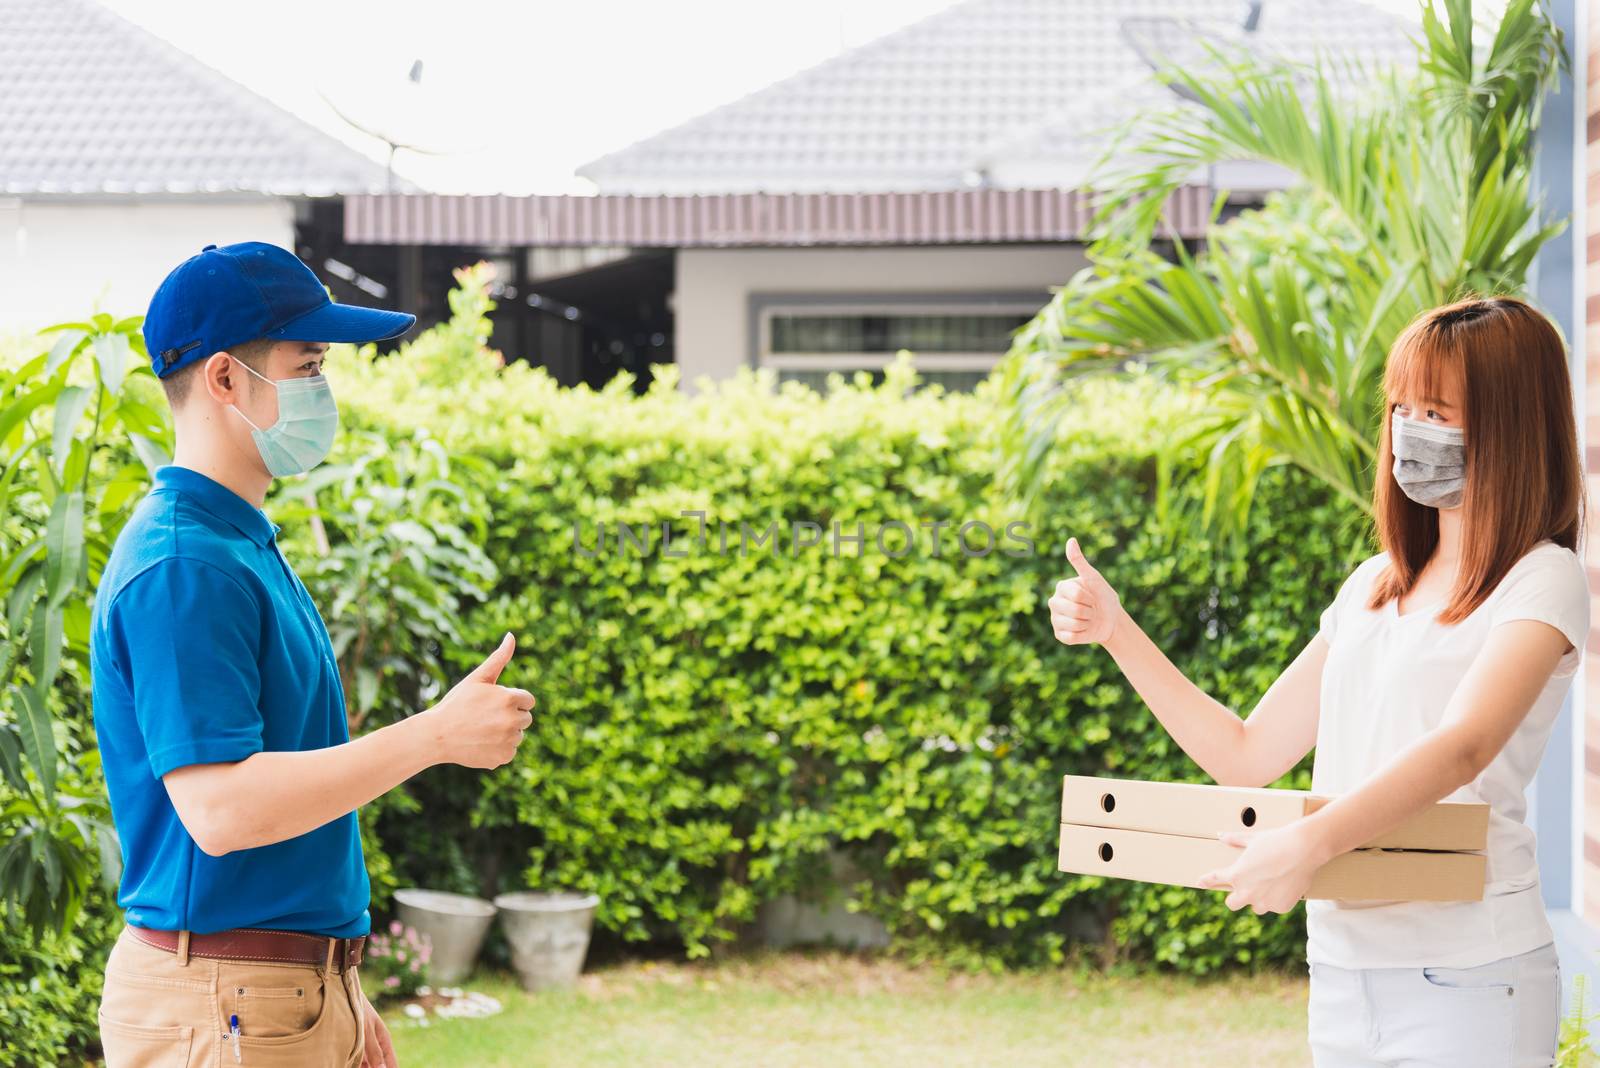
(1524, 481)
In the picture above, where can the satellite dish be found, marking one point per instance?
(432, 117)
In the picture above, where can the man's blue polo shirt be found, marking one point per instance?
(206, 648)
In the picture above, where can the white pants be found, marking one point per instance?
(1505, 1014)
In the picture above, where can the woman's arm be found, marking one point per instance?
(1251, 752)
(1487, 707)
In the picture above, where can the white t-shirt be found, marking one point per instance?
(1387, 682)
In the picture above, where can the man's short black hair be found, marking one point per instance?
(253, 353)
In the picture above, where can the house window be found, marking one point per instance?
(956, 342)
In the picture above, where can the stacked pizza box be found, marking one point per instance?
(1161, 832)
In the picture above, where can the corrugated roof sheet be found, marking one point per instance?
(92, 104)
(942, 217)
(927, 105)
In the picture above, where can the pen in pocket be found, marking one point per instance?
(233, 1030)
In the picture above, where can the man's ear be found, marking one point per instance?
(220, 374)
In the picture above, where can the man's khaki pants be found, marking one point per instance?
(162, 1011)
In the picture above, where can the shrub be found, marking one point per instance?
(78, 435)
(50, 986)
(395, 964)
(712, 724)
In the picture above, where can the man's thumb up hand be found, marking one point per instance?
(480, 721)
(1084, 609)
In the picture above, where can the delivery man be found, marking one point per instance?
(233, 781)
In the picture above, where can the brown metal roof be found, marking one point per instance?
(942, 217)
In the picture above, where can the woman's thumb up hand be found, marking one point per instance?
(1085, 608)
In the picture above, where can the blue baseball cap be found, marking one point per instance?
(236, 293)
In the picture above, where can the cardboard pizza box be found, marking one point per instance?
(1361, 875)
(1203, 811)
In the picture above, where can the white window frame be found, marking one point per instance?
(876, 361)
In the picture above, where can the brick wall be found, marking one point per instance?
(1590, 430)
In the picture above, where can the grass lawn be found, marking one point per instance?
(838, 1011)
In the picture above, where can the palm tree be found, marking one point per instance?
(1412, 195)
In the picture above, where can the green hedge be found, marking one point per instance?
(710, 725)
(50, 987)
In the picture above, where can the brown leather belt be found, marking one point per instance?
(256, 944)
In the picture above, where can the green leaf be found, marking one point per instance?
(77, 463)
(153, 455)
(66, 344)
(112, 355)
(52, 866)
(14, 413)
(16, 876)
(22, 596)
(83, 327)
(44, 646)
(366, 689)
(110, 850)
(69, 409)
(64, 543)
(142, 418)
(38, 740)
(76, 620)
(118, 493)
(11, 760)
(12, 568)
(9, 477)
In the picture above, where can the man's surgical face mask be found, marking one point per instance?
(1430, 462)
(308, 421)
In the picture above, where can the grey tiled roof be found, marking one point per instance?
(92, 104)
(974, 87)
(1297, 31)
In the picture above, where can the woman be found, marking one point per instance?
(1437, 674)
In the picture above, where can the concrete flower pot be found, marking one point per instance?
(455, 925)
(548, 934)
(822, 918)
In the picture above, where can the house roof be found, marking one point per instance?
(1063, 145)
(92, 104)
(963, 93)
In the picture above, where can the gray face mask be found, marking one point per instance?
(1430, 462)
